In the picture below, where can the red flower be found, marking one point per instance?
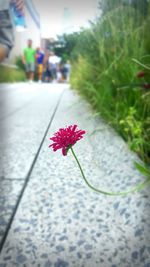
(146, 86)
(65, 138)
(141, 74)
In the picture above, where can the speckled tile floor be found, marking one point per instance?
(59, 222)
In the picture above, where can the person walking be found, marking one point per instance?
(39, 63)
(54, 61)
(47, 76)
(28, 60)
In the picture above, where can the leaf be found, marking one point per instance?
(143, 169)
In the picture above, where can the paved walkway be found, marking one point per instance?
(48, 216)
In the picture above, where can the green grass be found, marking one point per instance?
(8, 75)
(106, 74)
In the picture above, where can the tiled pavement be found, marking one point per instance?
(48, 216)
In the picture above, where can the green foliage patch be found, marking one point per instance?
(111, 55)
(8, 74)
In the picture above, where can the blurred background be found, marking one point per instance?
(46, 19)
(107, 45)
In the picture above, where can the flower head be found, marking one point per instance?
(141, 74)
(146, 86)
(65, 138)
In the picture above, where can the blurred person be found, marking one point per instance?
(59, 77)
(65, 71)
(54, 65)
(7, 27)
(39, 63)
(28, 60)
(67, 67)
(47, 76)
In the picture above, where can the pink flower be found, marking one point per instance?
(65, 138)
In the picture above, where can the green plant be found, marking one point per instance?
(11, 75)
(106, 74)
(133, 129)
(19, 63)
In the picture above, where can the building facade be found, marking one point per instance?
(32, 30)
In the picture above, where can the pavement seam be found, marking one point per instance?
(29, 174)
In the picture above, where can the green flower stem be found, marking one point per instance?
(137, 188)
(139, 63)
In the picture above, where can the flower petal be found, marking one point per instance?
(66, 137)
